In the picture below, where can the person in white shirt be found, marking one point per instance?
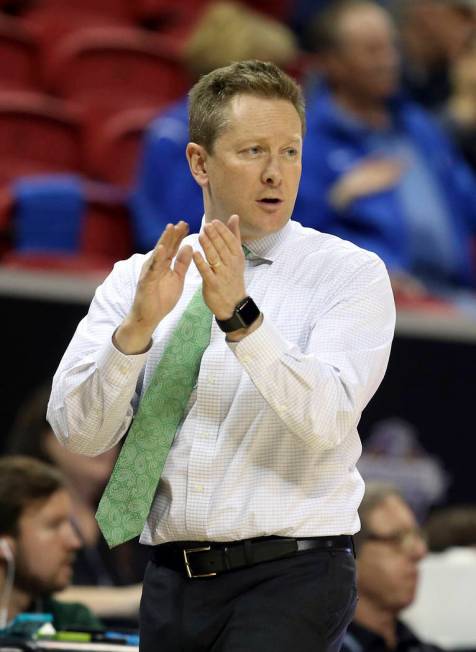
(262, 470)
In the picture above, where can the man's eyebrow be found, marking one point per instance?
(256, 139)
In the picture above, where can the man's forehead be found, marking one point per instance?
(356, 22)
(252, 115)
(391, 514)
(56, 502)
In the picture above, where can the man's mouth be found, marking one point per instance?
(270, 200)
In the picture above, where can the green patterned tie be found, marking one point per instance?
(126, 501)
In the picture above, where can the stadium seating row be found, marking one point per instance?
(40, 134)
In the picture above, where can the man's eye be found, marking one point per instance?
(291, 152)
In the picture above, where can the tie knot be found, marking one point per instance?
(246, 251)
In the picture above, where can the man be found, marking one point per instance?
(37, 542)
(378, 167)
(389, 548)
(251, 518)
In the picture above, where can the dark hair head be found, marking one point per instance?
(23, 481)
(211, 96)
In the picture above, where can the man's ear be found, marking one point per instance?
(197, 159)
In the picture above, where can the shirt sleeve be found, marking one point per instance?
(94, 389)
(320, 392)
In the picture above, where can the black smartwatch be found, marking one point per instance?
(246, 312)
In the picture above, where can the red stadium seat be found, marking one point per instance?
(106, 7)
(37, 134)
(18, 56)
(49, 25)
(107, 232)
(113, 147)
(116, 68)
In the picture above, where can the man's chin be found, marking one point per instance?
(261, 228)
(407, 599)
(62, 581)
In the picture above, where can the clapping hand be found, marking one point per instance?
(159, 288)
(222, 269)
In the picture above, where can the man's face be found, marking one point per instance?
(45, 546)
(387, 569)
(255, 166)
(366, 62)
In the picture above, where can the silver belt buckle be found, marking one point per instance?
(188, 551)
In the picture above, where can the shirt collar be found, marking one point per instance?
(264, 249)
(267, 248)
(370, 640)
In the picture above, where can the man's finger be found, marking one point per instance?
(183, 260)
(166, 235)
(217, 247)
(230, 233)
(159, 259)
(203, 268)
(234, 226)
(180, 231)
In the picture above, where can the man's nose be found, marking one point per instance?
(272, 172)
(71, 537)
(419, 549)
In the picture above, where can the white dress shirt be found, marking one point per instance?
(269, 442)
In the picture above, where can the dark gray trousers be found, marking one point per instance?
(298, 604)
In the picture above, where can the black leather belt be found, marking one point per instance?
(204, 559)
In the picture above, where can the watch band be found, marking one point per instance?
(246, 312)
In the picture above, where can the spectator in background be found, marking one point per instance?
(377, 169)
(38, 542)
(165, 190)
(118, 572)
(446, 597)
(433, 34)
(389, 548)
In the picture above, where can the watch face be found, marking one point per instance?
(248, 312)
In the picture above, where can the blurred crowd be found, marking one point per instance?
(93, 161)
(93, 129)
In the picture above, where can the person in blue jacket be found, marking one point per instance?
(377, 169)
(165, 191)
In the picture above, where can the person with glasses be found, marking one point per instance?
(389, 547)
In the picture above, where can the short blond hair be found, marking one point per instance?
(211, 96)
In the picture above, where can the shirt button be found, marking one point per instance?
(246, 359)
(211, 380)
(198, 488)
